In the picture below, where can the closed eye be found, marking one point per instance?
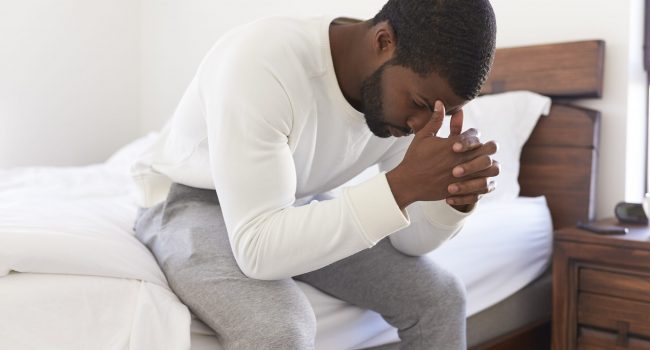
(426, 106)
(417, 105)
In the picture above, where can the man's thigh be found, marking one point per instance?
(188, 237)
(386, 281)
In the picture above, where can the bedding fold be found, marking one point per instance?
(73, 221)
(74, 225)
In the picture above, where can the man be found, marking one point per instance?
(282, 111)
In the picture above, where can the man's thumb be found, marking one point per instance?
(434, 124)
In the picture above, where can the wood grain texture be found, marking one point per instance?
(638, 236)
(606, 312)
(629, 286)
(559, 161)
(565, 127)
(600, 289)
(531, 337)
(564, 293)
(564, 70)
(592, 339)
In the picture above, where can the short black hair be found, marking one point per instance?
(454, 38)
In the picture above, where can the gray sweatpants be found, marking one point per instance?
(188, 237)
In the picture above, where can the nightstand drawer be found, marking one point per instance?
(622, 285)
(601, 289)
(592, 339)
(615, 314)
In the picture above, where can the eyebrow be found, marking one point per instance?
(430, 106)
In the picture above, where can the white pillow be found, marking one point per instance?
(508, 119)
(123, 158)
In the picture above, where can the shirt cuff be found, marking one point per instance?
(375, 209)
(441, 214)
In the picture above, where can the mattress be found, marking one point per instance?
(530, 305)
(66, 311)
(503, 247)
(67, 248)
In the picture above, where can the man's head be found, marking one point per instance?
(434, 50)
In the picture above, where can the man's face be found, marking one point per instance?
(397, 101)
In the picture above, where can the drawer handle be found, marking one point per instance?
(623, 328)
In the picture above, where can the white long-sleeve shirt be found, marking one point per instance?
(265, 123)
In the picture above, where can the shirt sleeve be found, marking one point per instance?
(249, 118)
(432, 222)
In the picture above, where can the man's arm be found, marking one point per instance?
(432, 222)
(249, 118)
(441, 181)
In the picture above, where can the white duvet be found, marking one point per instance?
(68, 231)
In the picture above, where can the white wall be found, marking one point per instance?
(620, 24)
(69, 80)
(81, 77)
(176, 34)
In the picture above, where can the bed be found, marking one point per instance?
(74, 277)
(558, 161)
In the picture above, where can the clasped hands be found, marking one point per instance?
(457, 169)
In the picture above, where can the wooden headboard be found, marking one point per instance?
(559, 159)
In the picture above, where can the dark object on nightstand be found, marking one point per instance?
(630, 213)
(602, 229)
(601, 289)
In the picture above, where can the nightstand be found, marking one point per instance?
(601, 289)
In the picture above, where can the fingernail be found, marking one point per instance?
(450, 201)
(458, 171)
(453, 188)
(457, 147)
(437, 106)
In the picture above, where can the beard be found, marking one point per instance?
(373, 111)
(371, 103)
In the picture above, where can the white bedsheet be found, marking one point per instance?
(60, 223)
(60, 311)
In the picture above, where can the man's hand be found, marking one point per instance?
(475, 173)
(426, 174)
(473, 176)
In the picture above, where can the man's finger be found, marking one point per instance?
(470, 197)
(434, 124)
(471, 132)
(492, 171)
(456, 123)
(488, 148)
(474, 166)
(480, 185)
(463, 200)
(468, 140)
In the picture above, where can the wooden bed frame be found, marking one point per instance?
(559, 159)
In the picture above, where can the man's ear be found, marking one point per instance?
(384, 40)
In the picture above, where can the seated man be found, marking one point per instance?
(282, 110)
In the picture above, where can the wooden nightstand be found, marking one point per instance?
(601, 289)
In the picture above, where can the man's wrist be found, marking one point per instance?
(464, 208)
(399, 188)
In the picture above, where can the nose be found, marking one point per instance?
(418, 121)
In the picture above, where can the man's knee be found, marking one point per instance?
(443, 293)
(249, 314)
(290, 330)
(454, 291)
